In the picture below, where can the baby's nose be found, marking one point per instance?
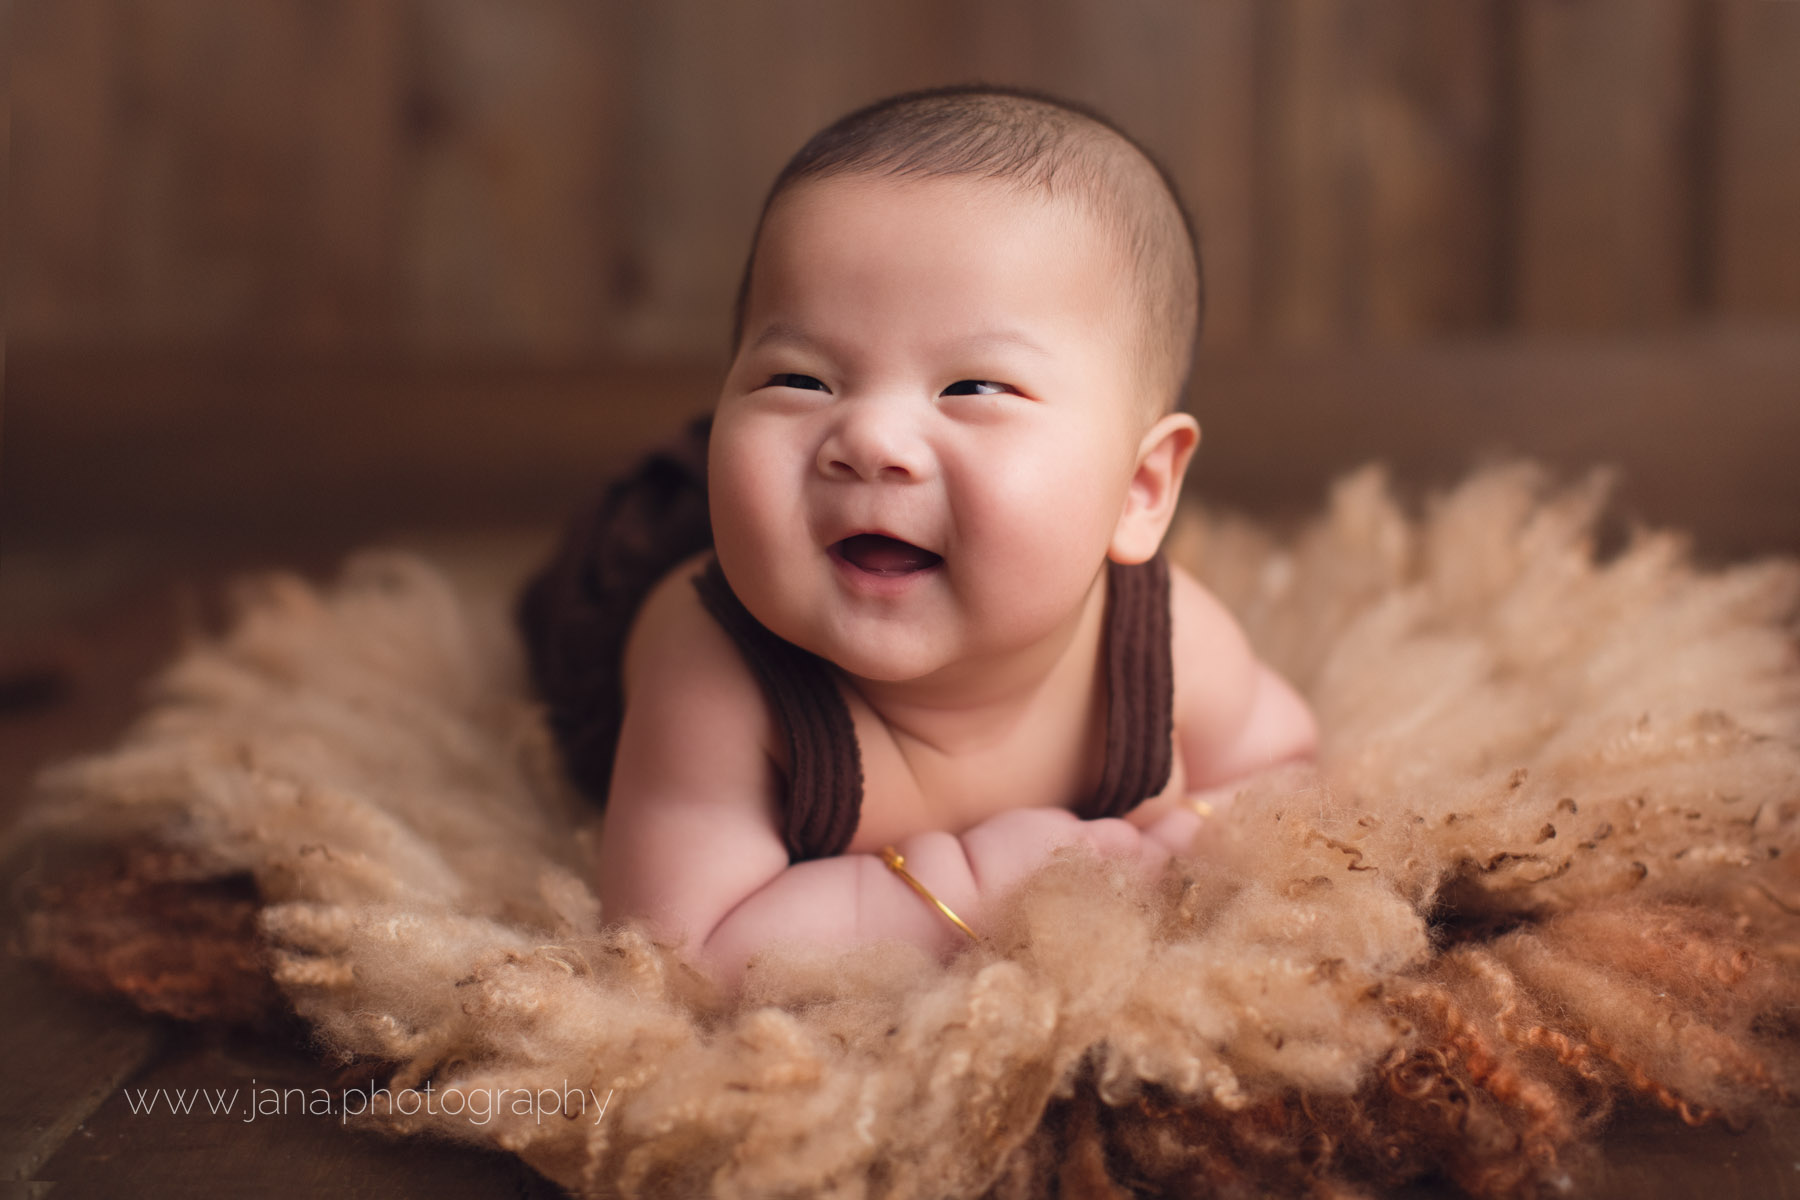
(874, 441)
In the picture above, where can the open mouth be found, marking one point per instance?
(879, 554)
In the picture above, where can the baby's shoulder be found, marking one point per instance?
(682, 665)
(1214, 664)
(1200, 617)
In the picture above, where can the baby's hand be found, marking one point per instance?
(1007, 847)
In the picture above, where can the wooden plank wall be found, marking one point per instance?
(1609, 159)
(1755, 262)
(1381, 135)
(560, 180)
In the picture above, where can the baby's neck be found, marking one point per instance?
(975, 704)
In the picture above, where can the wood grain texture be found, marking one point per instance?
(562, 180)
(514, 178)
(1607, 195)
(1380, 157)
(8, 20)
(707, 152)
(1207, 136)
(61, 166)
(66, 1057)
(1756, 240)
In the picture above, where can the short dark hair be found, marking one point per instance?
(1034, 140)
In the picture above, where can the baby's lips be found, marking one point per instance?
(879, 554)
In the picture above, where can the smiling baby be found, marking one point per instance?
(932, 638)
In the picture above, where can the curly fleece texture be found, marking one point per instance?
(1544, 866)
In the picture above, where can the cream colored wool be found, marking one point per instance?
(1539, 868)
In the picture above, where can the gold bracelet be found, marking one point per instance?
(897, 864)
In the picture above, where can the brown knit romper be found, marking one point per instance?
(576, 613)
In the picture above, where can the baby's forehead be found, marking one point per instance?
(808, 209)
(928, 190)
(808, 225)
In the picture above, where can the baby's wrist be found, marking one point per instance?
(939, 875)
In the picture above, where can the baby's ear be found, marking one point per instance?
(1162, 461)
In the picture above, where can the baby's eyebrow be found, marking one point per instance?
(987, 338)
(786, 333)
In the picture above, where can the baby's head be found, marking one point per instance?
(1039, 146)
(966, 319)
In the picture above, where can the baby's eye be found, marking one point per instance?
(788, 379)
(976, 387)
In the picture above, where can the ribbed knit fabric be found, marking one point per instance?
(824, 800)
(1140, 690)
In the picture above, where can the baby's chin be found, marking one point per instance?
(880, 662)
(878, 655)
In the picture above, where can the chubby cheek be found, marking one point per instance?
(1039, 528)
(754, 502)
(736, 500)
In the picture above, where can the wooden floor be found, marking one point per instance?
(76, 1065)
(93, 595)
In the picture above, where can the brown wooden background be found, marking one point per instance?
(409, 256)
(555, 180)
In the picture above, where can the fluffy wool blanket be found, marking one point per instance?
(1543, 867)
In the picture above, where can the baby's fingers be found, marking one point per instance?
(1111, 836)
(1117, 838)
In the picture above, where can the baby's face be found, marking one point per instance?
(926, 439)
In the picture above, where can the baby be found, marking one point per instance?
(933, 639)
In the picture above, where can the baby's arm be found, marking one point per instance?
(690, 841)
(1234, 716)
(690, 826)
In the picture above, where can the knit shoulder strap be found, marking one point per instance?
(1140, 690)
(825, 783)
